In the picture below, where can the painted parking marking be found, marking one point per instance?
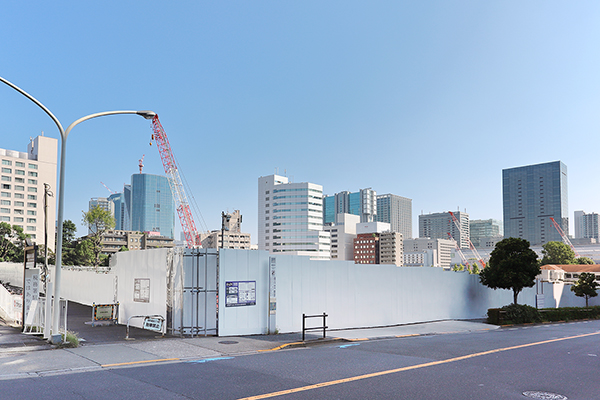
(210, 359)
(139, 362)
(411, 367)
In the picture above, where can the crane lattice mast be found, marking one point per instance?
(183, 208)
(473, 249)
(564, 236)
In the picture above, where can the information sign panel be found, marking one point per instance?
(240, 293)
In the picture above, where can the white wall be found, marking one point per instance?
(12, 273)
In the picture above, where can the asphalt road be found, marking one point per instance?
(561, 359)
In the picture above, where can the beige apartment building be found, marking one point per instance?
(22, 179)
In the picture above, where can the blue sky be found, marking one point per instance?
(429, 100)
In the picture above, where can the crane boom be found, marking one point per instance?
(183, 208)
(564, 236)
(473, 249)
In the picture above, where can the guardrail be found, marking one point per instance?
(315, 328)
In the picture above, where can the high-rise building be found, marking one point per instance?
(22, 190)
(439, 225)
(120, 211)
(152, 205)
(531, 196)
(290, 218)
(586, 225)
(362, 203)
(396, 211)
(482, 229)
(342, 234)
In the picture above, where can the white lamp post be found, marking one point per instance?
(56, 338)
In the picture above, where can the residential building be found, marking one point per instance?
(366, 248)
(484, 229)
(152, 206)
(586, 225)
(342, 234)
(233, 236)
(531, 195)
(362, 203)
(443, 250)
(439, 225)
(396, 211)
(391, 248)
(114, 240)
(22, 179)
(424, 258)
(290, 218)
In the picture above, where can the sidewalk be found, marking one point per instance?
(106, 347)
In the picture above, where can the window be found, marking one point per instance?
(19, 164)
(19, 187)
(31, 228)
(19, 212)
(6, 170)
(31, 197)
(5, 219)
(4, 194)
(5, 202)
(19, 196)
(33, 166)
(34, 174)
(19, 172)
(6, 162)
(5, 186)
(32, 181)
(19, 204)
(19, 180)
(5, 210)
(6, 178)
(18, 219)
(32, 189)
(29, 212)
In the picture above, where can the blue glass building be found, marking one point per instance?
(531, 196)
(152, 207)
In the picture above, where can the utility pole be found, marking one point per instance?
(47, 193)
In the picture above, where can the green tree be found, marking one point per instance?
(98, 221)
(513, 265)
(585, 286)
(12, 242)
(584, 261)
(557, 253)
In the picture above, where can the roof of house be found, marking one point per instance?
(574, 268)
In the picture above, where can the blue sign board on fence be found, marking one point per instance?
(240, 293)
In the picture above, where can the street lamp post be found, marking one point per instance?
(56, 338)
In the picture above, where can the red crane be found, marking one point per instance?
(183, 208)
(473, 249)
(564, 236)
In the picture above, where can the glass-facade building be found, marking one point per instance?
(531, 196)
(362, 203)
(152, 206)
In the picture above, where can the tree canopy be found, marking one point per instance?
(12, 242)
(98, 221)
(585, 286)
(557, 253)
(513, 265)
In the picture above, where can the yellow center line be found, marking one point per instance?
(139, 362)
(411, 367)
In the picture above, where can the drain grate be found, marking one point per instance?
(234, 342)
(544, 395)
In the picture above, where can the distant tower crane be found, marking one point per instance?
(111, 192)
(564, 237)
(181, 204)
(473, 249)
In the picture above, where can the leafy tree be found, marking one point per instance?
(69, 256)
(585, 286)
(513, 265)
(475, 269)
(557, 253)
(98, 221)
(584, 261)
(12, 242)
(458, 267)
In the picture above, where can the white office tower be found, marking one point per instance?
(587, 225)
(290, 218)
(343, 233)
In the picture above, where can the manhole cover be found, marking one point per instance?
(544, 395)
(234, 342)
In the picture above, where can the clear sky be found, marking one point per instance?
(428, 100)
